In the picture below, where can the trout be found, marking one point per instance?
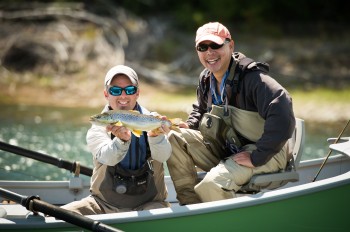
(133, 120)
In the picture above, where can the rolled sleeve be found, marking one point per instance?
(160, 148)
(103, 148)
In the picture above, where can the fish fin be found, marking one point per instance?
(175, 121)
(119, 123)
(111, 112)
(137, 133)
(157, 131)
(134, 111)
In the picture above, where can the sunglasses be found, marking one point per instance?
(117, 91)
(215, 46)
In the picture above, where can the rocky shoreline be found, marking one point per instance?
(57, 58)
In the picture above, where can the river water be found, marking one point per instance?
(60, 132)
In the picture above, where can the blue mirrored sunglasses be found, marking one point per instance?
(117, 91)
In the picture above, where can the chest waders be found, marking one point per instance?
(126, 188)
(139, 187)
(223, 131)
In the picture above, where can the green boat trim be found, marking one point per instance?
(319, 205)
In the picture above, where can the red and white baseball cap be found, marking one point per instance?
(215, 32)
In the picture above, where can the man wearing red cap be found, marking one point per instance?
(239, 126)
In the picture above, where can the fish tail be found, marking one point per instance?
(175, 123)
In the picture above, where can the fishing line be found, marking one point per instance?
(330, 151)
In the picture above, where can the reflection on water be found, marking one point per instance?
(60, 132)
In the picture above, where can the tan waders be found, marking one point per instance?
(205, 149)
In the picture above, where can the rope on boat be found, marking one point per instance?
(77, 169)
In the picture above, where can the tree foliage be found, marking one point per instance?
(65, 37)
(191, 14)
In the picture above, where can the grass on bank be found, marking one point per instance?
(324, 95)
(317, 96)
(319, 104)
(322, 104)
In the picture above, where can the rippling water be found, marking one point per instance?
(60, 132)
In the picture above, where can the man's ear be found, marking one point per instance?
(138, 93)
(105, 93)
(232, 43)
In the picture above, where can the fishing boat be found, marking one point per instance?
(310, 195)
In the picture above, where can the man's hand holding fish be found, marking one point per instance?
(124, 133)
(119, 131)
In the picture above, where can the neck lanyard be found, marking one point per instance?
(218, 98)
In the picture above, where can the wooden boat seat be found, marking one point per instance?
(289, 174)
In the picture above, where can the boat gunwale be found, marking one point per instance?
(195, 209)
(202, 208)
(229, 204)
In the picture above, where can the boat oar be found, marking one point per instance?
(72, 167)
(330, 151)
(34, 204)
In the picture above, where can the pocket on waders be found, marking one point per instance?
(213, 128)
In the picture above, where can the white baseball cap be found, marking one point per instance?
(121, 69)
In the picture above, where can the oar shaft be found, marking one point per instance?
(45, 158)
(11, 195)
(70, 217)
(34, 204)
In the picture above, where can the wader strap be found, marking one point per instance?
(242, 66)
(210, 101)
(235, 83)
(228, 86)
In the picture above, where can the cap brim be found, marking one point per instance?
(213, 38)
(133, 81)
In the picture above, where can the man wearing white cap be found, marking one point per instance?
(128, 171)
(239, 126)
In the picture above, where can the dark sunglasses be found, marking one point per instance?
(215, 46)
(117, 91)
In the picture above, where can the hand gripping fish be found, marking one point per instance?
(133, 120)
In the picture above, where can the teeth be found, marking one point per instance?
(212, 61)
